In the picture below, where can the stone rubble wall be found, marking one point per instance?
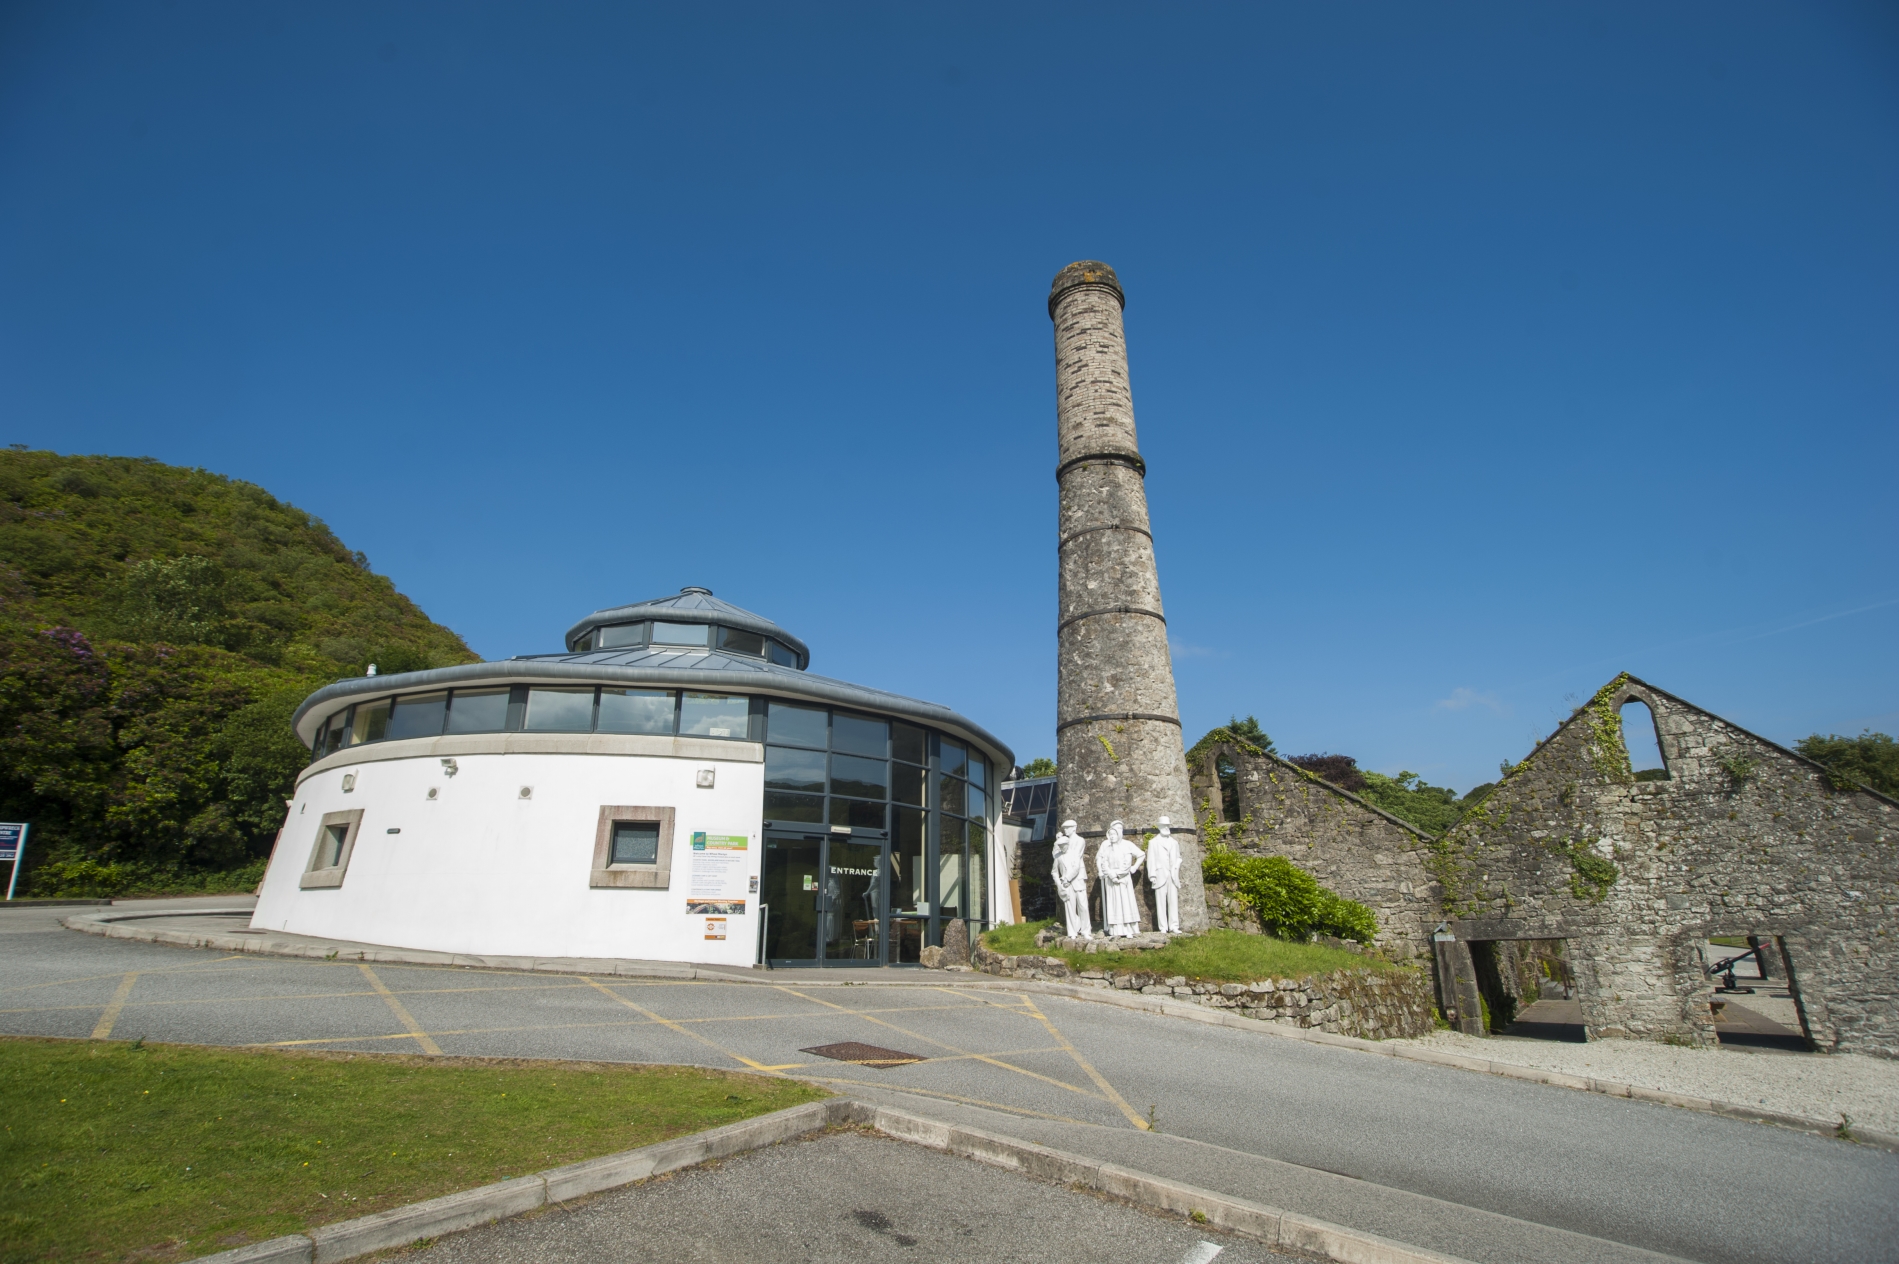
(1351, 847)
(1356, 1001)
(1742, 838)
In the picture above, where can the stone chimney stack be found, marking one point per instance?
(1117, 730)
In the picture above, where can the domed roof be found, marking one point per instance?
(691, 605)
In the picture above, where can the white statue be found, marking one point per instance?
(1163, 874)
(1071, 881)
(1117, 862)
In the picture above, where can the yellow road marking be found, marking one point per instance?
(400, 1010)
(1100, 1080)
(667, 1022)
(948, 1097)
(102, 1030)
(944, 1044)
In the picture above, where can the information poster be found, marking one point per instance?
(721, 876)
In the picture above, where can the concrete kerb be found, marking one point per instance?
(401, 1226)
(122, 925)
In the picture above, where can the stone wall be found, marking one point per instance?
(1351, 847)
(1742, 837)
(1360, 1001)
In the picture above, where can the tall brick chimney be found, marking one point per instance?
(1117, 724)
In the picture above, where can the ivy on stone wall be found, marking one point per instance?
(1591, 875)
(1290, 902)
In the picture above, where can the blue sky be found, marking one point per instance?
(1478, 351)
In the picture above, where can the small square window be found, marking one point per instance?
(635, 843)
(633, 847)
(331, 849)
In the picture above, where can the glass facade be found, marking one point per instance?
(923, 797)
(542, 709)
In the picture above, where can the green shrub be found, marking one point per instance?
(1290, 902)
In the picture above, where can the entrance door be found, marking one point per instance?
(825, 896)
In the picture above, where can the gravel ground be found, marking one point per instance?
(1821, 1086)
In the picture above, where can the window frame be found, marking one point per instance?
(329, 877)
(653, 877)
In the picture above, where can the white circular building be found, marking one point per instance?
(673, 787)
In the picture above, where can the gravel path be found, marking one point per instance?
(1821, 1086)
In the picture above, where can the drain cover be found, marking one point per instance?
(863, 1054)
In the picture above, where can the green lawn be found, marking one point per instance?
(1225, 956)
(161, 1152)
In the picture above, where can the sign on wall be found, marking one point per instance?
(721, 875)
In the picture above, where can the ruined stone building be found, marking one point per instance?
(1574, 856)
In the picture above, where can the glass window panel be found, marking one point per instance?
(741, 642)
(560, 710)
(978, 803)
(716, 715)
(622, 635)
(860, 778)
(782, 655)
(951, 794)
(680, 633)
(909, 883)
(907, 742)
(334, 836)
(949, 872)
(978, 873)
(857, 814)
(906, 784)
(419, 715)
(635, 843)
(636, 711)
(978, 769)
(954, 758)
(790, 769)
(370, 723)
(780, 806)
(797, 726)
(860, 735)
(478, 711)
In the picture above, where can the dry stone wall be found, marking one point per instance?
(1743, 837)
(1358, 1001)
(1351, 847)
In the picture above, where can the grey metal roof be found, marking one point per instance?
(691, 605)
(659, 667)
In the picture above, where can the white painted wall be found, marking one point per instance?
(480, 870)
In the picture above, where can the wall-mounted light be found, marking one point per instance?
(705, 778)
(449, 769)
(349, 782)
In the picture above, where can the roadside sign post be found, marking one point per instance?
(12, 847)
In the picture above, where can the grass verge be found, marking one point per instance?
(1222, 956)
(163, 1152)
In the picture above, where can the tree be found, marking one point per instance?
(1038, 767)
(1341, 770)
(1871, 759)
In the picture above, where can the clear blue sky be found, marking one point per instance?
(1479, 352)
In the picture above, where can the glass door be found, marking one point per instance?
(825, 896)
(790, 892)
(853, 901)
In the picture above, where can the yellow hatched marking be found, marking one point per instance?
(1100, 1080)
(943, 1044)
(102, 1030)
(400, 1010)
(667, 1022)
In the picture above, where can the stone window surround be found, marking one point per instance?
(653, 877)
(331, 877)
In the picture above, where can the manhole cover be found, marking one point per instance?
(863, 1054)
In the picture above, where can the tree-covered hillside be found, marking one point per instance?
(157, 627)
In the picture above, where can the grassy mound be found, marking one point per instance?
(1219, 956)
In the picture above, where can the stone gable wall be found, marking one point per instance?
(1351, 847)
(1742, 838)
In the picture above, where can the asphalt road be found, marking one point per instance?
(1477, 1166)
(845, 1197)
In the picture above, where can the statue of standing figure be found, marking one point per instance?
(1071, 881)
(1117, 862)
(1163, 874)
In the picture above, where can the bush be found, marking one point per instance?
(1290, 901)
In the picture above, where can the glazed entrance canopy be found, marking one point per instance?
(691, 644)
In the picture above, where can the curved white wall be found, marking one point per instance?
(480, 870)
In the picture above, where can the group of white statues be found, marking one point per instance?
(1116, 864)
